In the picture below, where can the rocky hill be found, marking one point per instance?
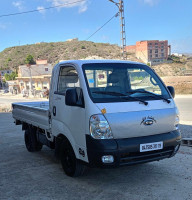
(53, 52)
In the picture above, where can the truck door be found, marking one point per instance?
(68, 120)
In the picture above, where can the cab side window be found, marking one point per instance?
(68, 78)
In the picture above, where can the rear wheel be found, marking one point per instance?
(71, 166)
(31, 142)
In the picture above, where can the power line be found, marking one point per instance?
(40, 9)
(102, 26)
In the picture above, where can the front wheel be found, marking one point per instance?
(71, 166)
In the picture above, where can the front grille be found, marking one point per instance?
(140, 157)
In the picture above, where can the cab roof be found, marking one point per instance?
(81, 62)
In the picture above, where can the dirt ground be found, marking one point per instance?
(39, 175)
(182, 84)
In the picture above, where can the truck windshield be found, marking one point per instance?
(120, 82)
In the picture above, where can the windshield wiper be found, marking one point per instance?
(147, 92)
(135, 98)
(121, 95)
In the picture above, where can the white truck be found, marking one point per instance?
(102, 113)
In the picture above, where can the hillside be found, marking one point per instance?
(179, 66)
(14, 56)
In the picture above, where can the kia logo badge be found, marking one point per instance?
(148, 121)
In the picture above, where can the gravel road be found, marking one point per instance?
(39, 175)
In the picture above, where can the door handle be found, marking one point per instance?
(54, 110)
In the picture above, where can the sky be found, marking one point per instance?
(145, 20)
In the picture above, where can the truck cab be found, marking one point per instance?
(109, 113)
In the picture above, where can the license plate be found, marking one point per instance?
(151, 146)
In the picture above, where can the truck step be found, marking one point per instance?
(186, 142)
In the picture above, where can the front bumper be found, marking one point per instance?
(127, 151)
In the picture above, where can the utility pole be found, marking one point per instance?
(31, 84)
(120, 6)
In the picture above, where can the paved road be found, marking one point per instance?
(25, 175)
(184, 103)
(8, 99)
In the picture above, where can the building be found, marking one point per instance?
(169, 50)
(177, 54)
(13, 86)
(1, 81)
(130, 49)
(2, 76)
(39, 75)
(151, 51)
(41, 62)
(74, 39)
(5, 71)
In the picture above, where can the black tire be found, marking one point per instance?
(71, 166)
(39, 146)
(31, 142)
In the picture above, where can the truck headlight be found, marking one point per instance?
(99, 127)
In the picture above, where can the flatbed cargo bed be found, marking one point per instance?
(34, 113)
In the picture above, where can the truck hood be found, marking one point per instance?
(131, 119)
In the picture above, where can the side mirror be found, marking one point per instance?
(71, 97)
(171, 90)
(74, 98)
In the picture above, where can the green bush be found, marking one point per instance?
(29, 59)
(9, 77)
(137, 78)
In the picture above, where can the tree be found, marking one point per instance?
(9, 77)
(29, 60)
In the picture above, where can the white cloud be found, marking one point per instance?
(83, 7)
(41, 9)
(18, 4)
(151, 2)
(71, 3)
